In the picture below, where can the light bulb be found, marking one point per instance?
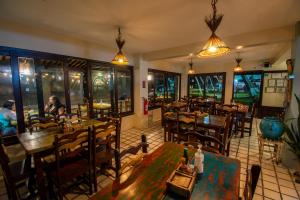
(212, 49)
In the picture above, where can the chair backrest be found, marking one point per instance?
(102, 135)
(186, 119)
(209, 143)
(251, 181)
(36, 122)
(132, 150)
(4, 161)
(72, 146)
(83, 110)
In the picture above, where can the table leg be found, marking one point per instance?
(40, 177)
(243, 124)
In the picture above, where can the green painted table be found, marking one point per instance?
(148, 180)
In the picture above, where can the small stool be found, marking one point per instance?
(276, 144)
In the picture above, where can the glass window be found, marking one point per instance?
(76, 80)
(102, 81)
(196, 86)
(6, 88)
(8, 120)
(214, 86)
(53, 82)
(247, 88)
(207, 85)
(124, 91)
(28, 85)
(162, 87)
(173, 84)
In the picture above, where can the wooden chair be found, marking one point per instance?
(209, 143)
(249, 119)
(83, 111)
(251, 182)
(72, 160)
(132, 150)
(102, 151)
(170, 127)
(35, 122)
(14, 173)
(185, 123)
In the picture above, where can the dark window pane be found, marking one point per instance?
(53, 82)
(247, 88)
(28, 85)
(6, 88)
(124, 90)
(7, 115)
(76, 88)
(207, 85)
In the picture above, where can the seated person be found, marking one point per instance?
(7, 114)
(54, 106)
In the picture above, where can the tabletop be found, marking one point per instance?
(37, 141)
(148, 180)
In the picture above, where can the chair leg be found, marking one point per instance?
(250, 131)
(91, 182)
(95, 178)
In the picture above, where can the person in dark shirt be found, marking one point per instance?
(7, 115)
(54, 106)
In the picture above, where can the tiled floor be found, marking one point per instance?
(275, 182)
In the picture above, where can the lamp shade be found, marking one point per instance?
(214, 47)
(120, 59)
(238, 67)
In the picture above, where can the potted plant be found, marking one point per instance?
(292, 137)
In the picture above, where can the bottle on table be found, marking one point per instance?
(199, 161)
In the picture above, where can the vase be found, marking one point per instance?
(271, 127)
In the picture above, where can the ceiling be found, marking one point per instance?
(149, 26)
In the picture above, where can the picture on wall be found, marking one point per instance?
(280, 90)
(276, 75)
(271, 82)
(280, 83)
(269, 89)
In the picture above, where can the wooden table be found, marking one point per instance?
(148, 180)
(38, 143)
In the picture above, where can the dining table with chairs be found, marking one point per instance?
(40, 144)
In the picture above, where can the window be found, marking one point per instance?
(52, 80)
(76, 80)
(207, 85)
(28, 85)
(247, 87)
(162, 87)
(173, 86)
(6, 88)
(124, 81)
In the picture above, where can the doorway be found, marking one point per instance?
(247, 88)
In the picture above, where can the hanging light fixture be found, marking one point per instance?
(120, 58)
(214, 46)
(191, 70)
(238, 67)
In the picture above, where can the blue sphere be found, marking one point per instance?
(271, 127)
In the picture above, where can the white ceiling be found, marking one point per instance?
(148, 25)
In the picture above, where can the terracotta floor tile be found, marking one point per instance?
(271, 194)
(288, 191)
